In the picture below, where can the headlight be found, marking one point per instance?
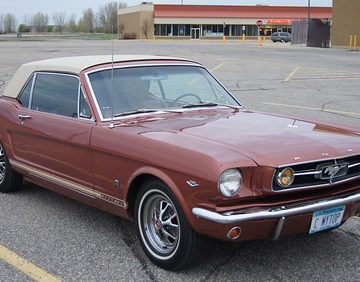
(285, 177)
(230, 183)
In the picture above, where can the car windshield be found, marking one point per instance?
(151, 88)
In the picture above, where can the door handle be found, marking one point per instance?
(23, 117)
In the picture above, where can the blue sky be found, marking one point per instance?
(29, 7)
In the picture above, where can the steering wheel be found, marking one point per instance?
(185, 95)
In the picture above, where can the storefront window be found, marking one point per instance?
(168, 30)
(216, 30)
(175, 29)
(187, 30)
(163, 29)
(227, 30)
(181, 30)
(236, 30)
(156, 30)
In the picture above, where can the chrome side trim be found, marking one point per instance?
(70, 185)
(277, 213)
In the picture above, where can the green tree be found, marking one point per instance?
(22, 28)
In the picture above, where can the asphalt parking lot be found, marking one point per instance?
(61, 238)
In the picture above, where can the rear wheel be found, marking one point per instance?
(164, 232)
(282, 40)
(10, 180)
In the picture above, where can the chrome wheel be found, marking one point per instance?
(165, 234)
(159, 223)
(2, 164)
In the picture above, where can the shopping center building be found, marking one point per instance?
(210, 21)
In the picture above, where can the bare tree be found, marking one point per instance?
(59, 20)
(27, 20)
(40, 22)
(71, 24)
(86, 23)
(107, 16)
(145, 28)
(1, 23)
(9, 23)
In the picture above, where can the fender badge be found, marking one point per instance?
(324, 154)
(192, 183)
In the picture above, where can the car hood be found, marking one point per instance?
(267, 139)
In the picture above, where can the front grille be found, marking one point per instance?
(319, 173)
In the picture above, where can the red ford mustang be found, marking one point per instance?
(160, 141)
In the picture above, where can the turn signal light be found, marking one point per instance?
(234, 233)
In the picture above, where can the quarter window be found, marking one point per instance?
(25, 94)
(56, 93)
(84, 109)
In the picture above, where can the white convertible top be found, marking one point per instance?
(69, 65)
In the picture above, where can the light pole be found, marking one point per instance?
(308, 24)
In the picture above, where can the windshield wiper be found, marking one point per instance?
(202, 104)
(139, 111)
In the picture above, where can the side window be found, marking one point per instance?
(84, 109)
(56, 93)
(25, 94)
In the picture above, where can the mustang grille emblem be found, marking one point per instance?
(332, 170)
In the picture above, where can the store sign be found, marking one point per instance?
(286, 22)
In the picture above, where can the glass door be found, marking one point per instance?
(195, 33)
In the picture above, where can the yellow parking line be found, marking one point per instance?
(214, 69)
(217, 67)
(324, 78)
(332, 70)
(25, 266)
(309, 108)
(292, 74)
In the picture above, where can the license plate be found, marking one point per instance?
(326, 219)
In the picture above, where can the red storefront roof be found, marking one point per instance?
(217, 11)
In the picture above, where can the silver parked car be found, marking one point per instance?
(281, 36)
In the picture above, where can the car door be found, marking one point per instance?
(53, 136)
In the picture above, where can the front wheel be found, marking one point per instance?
(10, 180)
(164, 232)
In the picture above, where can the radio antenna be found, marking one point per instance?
(112, 86)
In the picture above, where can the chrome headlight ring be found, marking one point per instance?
(230, 183)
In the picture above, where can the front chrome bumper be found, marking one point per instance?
(277, 213)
